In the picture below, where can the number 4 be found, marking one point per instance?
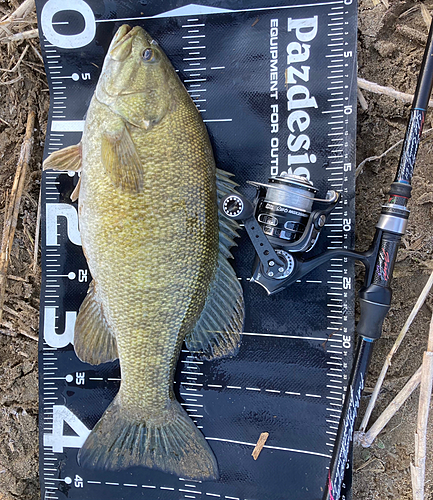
(58, 440)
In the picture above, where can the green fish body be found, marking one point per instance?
(157, 250)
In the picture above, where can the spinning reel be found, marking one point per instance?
(283, 226)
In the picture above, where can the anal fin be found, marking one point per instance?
(94, 341)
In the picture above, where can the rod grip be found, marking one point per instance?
(374, 302)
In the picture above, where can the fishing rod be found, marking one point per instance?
(284, 223)
(375, 297)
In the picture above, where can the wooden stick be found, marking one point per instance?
(24, 35)
(11, 215)
(388, 91)
(362, 101)
(37, 232)
(367, 439)
(417, 469)
(391, 353)
(23, 10)
(259, 446)
(425, 15)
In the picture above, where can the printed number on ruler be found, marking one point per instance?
(53, 212)
(57, 440)
(52, 7)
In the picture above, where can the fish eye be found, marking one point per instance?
(147, 55)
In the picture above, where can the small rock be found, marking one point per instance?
(385, 49)
(425, 198)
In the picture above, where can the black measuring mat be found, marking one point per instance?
(249, 66)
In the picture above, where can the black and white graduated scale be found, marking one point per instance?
(244, 64)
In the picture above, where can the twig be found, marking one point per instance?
(412, 34)
(34, 68)
(23, 10)
(24, 35)
(18, 62)
(14, 80)
(38, 54)
(17, 278)
(11, 215)
(388, 91)
(371, 460)
(426, 15)
(362, 100)
(38, 227)
(259, 446)
(377, 2)
(367, 439)
(29, 335)
(374, 158)
(418, 468)
(391, 353)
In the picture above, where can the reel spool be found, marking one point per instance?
(284, 207)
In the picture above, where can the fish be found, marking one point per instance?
(158, 250)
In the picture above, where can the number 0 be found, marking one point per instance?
(52, 7)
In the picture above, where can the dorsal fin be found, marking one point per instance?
(218, 331)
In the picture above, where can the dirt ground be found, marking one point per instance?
(390, 42)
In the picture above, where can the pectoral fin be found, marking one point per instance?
(65, 159)
(76, 192)
(219, 328)
(94, 341)
(121, 160)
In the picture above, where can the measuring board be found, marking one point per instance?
(243, 63)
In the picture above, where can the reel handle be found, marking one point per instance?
(236, 207)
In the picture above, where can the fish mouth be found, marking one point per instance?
(121, 46)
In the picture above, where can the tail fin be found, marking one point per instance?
(171, 444)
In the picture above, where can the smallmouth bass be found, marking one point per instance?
(157, 250)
